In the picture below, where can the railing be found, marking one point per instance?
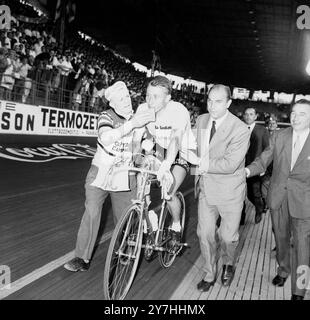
(42, 92)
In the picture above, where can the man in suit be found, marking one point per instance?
(289, 195)
(220, 183)
(259, 140)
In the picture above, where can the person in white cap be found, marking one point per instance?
(115, 140)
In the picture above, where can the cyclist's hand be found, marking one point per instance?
(142, 118)
(164, 167)
(147, 145)
(138, 160)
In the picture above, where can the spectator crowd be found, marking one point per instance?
(35, 69)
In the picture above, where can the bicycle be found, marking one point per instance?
(134, 231)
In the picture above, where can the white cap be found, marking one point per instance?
(116, 88)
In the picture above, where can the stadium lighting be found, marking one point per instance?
(308, 68)
(38, 11)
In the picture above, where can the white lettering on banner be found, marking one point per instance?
(18, 118)
(45, 154)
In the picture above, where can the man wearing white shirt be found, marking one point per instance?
(65, 66)
(38, 47)
(289, 197)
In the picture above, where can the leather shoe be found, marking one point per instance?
(278, 281)
(204, 286)
(258, 218)
(297, 297)
(227, 275)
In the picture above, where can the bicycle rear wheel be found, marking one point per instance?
(123, 255)
(166, 257)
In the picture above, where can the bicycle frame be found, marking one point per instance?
(143, 201)
(127, 239)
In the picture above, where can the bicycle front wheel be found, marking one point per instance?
(167, 257)
(123, 254)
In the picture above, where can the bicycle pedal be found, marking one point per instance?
(175, 250)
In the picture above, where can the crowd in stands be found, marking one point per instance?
(34, 69)
(265, 109)
(31, 62)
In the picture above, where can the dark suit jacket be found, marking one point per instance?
(259, 141)
(294, 184)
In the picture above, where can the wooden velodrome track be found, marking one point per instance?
(41, 205)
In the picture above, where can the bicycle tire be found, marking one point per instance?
(166, 258)
(120, 269)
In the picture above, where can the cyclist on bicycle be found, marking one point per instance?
(115, 141)
(174, 142)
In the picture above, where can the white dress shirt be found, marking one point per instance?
(251, 127)
(302, 139)
(218, 123)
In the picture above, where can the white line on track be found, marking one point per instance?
(39, 190)
(39, 273)
(51, 266)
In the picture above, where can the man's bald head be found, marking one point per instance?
(219, 100)
(221, 87)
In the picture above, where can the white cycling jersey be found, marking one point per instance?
(173, 117)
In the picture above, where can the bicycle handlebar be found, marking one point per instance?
(141, 170)
(164, 188)
(164, 191)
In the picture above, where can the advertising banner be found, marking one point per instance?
(18, 118)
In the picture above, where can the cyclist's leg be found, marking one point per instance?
(174, 205)
(179, 174)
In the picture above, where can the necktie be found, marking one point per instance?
(295, 152)
(212, 130)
